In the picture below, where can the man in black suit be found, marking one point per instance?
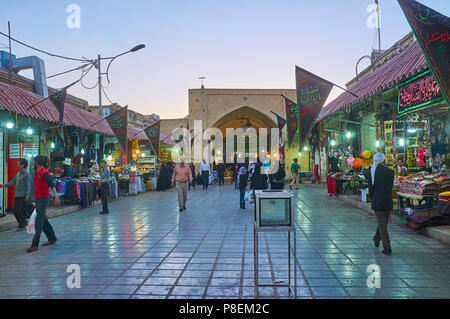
(381, 181)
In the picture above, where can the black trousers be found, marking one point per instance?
(105, 192)
(205, 177)
(19, 210)
(193, 182)
(221, 178)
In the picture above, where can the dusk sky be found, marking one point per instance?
(234, 43)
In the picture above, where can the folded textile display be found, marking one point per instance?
(422, 185)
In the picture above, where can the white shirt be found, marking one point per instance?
(205, 167)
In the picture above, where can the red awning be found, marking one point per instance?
(405, 65)
(19, 100)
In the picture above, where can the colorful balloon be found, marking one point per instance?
(362, 155)
(367, 154)
(357, 162)
(421, 163)
(350, 160)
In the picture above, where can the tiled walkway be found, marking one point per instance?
(146, 249)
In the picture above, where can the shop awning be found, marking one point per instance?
(167, 139)
(18, 100)
(136, 133)
(405, 65)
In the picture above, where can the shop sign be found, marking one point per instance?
(418, 92)
(14, 151)
(30, 151)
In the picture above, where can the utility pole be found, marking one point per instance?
(379, 27)
(100, 110)
(10, 57)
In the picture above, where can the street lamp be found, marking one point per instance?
(134, 49)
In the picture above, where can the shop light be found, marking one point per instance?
(137, 151)
(348, 135)
(10, 124)
(299, 153)
(377, 143)
(333, 143)
(402, 142)
(29, 130)
(109, 158)
(143, 154)
(52, 145)
(305, 148)
(412, 130)
(82, 151)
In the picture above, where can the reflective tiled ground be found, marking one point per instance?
(146, 249)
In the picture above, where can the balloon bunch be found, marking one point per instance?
(366, 154)
(355, 162)
(421, 156)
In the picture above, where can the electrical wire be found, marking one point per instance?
(71, 70)
(83, 74)
(42, 51)
(104, 92)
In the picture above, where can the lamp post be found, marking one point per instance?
(98, 66)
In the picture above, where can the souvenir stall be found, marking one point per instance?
(418, 196)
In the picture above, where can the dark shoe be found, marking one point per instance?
(102, 213)
(180, 210)
(31, 249)
(49, 243)
(387, 252)
(377, 243)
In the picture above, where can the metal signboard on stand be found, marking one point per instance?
(274, 212)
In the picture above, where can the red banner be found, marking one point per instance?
(312, 92)
(431, 30)
(118, 122)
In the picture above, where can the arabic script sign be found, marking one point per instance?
(291, 118)
(418, 92)
(431, 30)
(118, 122)
(153, 133)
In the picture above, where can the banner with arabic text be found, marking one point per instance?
(291, 119)
(312, 92)
(153, 133)
(118, 122)
(432, 31)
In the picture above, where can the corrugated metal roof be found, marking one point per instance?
(19, 100)
(405, 65)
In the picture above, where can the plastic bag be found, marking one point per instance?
(247, 196)
(252, 198)
(31, 223)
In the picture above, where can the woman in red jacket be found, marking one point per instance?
(42, 184)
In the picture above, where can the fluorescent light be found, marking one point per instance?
(377, 143)
(52, 145)
(305, 148)
(412, 130)
(333, 143)
(82, 151)
(10, 124)
(348, 134)
(402, 142)
(29, 131)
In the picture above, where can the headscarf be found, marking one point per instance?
(377, 159)
(242, 170)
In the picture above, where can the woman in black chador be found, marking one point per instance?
(161, 184)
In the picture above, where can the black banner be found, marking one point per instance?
(58, 100)
(291, 119)
(312, 92)
(432, 31)
(118, 122)
(153, 133)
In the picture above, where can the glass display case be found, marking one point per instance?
(274, 210)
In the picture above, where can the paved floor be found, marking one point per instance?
(146, 249)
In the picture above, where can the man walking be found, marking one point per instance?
(192, 167)
(104, 186)
(42, 183)
(22, 194)
(221, 172)
(182, 175)
(295, 168)
(206, 170)
(381, 181)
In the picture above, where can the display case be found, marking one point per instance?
(146, 164)
(274, 210)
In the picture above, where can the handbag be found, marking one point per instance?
(31, 229)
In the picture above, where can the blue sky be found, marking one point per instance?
(234, 43)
